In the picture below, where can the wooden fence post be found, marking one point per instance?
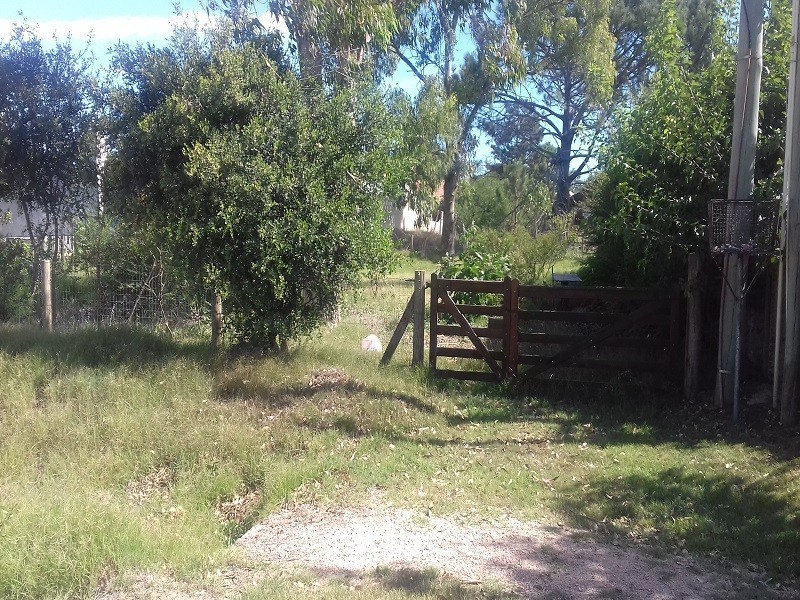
(216, 322)
(694, 329)
(511, 341)
(675, 363)
(47, 295)
(418, 350)
(434, 322)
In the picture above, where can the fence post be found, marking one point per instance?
(418, 350)
(511, 317)
(216, 322)
(47, 295)
(434, 321)
(675, 306)
(694, 329)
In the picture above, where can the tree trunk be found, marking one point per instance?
(449, 211)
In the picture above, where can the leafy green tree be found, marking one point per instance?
(48, 140)
(428, 34)
(271, 193)
(670, 153)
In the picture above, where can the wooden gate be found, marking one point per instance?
(546, 327)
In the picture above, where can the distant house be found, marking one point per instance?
(405, 220)
(13, 225)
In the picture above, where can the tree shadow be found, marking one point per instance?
(102, 348)
(627, 412)
(719, 513)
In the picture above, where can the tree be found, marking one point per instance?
(426, 43)
(583, 60)
(669, 154)
(570, 74)
(271, 193)
(48, 140)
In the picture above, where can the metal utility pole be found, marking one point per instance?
(749, 63)
(789, 300)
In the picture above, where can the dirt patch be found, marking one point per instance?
(532, 560)
(527, 559)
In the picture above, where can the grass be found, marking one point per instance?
(123, 450)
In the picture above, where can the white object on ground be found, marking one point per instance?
(371, 343)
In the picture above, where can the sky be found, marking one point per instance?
(104, 22)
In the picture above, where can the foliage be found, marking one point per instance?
(670, 155)
(16, 262)
(531, 258)
(474, 264)
(48, 143)
(508, 196)
(426, 42)
(430, 129)
(271, 193)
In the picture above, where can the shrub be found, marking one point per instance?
(531, 258)
(16, 299)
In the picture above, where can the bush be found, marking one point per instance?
(16, 262)
(471, 264)
(531, 258)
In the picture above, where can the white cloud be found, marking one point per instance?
(107, 30)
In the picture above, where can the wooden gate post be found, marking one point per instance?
(47, 295)
(418, 348)
(216, 322)
(675, 363)
(694, 329)
(511, 317)
(434, 322)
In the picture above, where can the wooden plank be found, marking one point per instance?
(511, 304)
(615, 342)
(418, 345)
(466, 375)
(466, 353)
(434, 316)
(483, 332)
(638, 316)
(450, 306)
(399, 331)
(601, 363)
(602, 294)
(568, 316)
(476, 309)
(471, 285)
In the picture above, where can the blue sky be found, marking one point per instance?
(107, 22)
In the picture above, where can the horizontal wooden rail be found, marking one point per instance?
(466, 375)
(620, 342)
(644, 323)
(567, 316)
(602, 294)
(470, 285)
(482, 332)
(599, 363)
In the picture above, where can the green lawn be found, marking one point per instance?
(120, 450)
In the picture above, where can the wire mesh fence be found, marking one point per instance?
(141, 295)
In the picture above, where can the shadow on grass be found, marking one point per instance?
(628, 413)
(106, 347)
(721, 513)
(282, 396)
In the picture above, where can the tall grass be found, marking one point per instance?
(121, 450)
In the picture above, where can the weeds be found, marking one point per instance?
(122, 450)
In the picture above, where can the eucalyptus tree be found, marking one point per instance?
(585, 60)
(431, 36)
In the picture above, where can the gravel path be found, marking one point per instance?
(532, 560)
